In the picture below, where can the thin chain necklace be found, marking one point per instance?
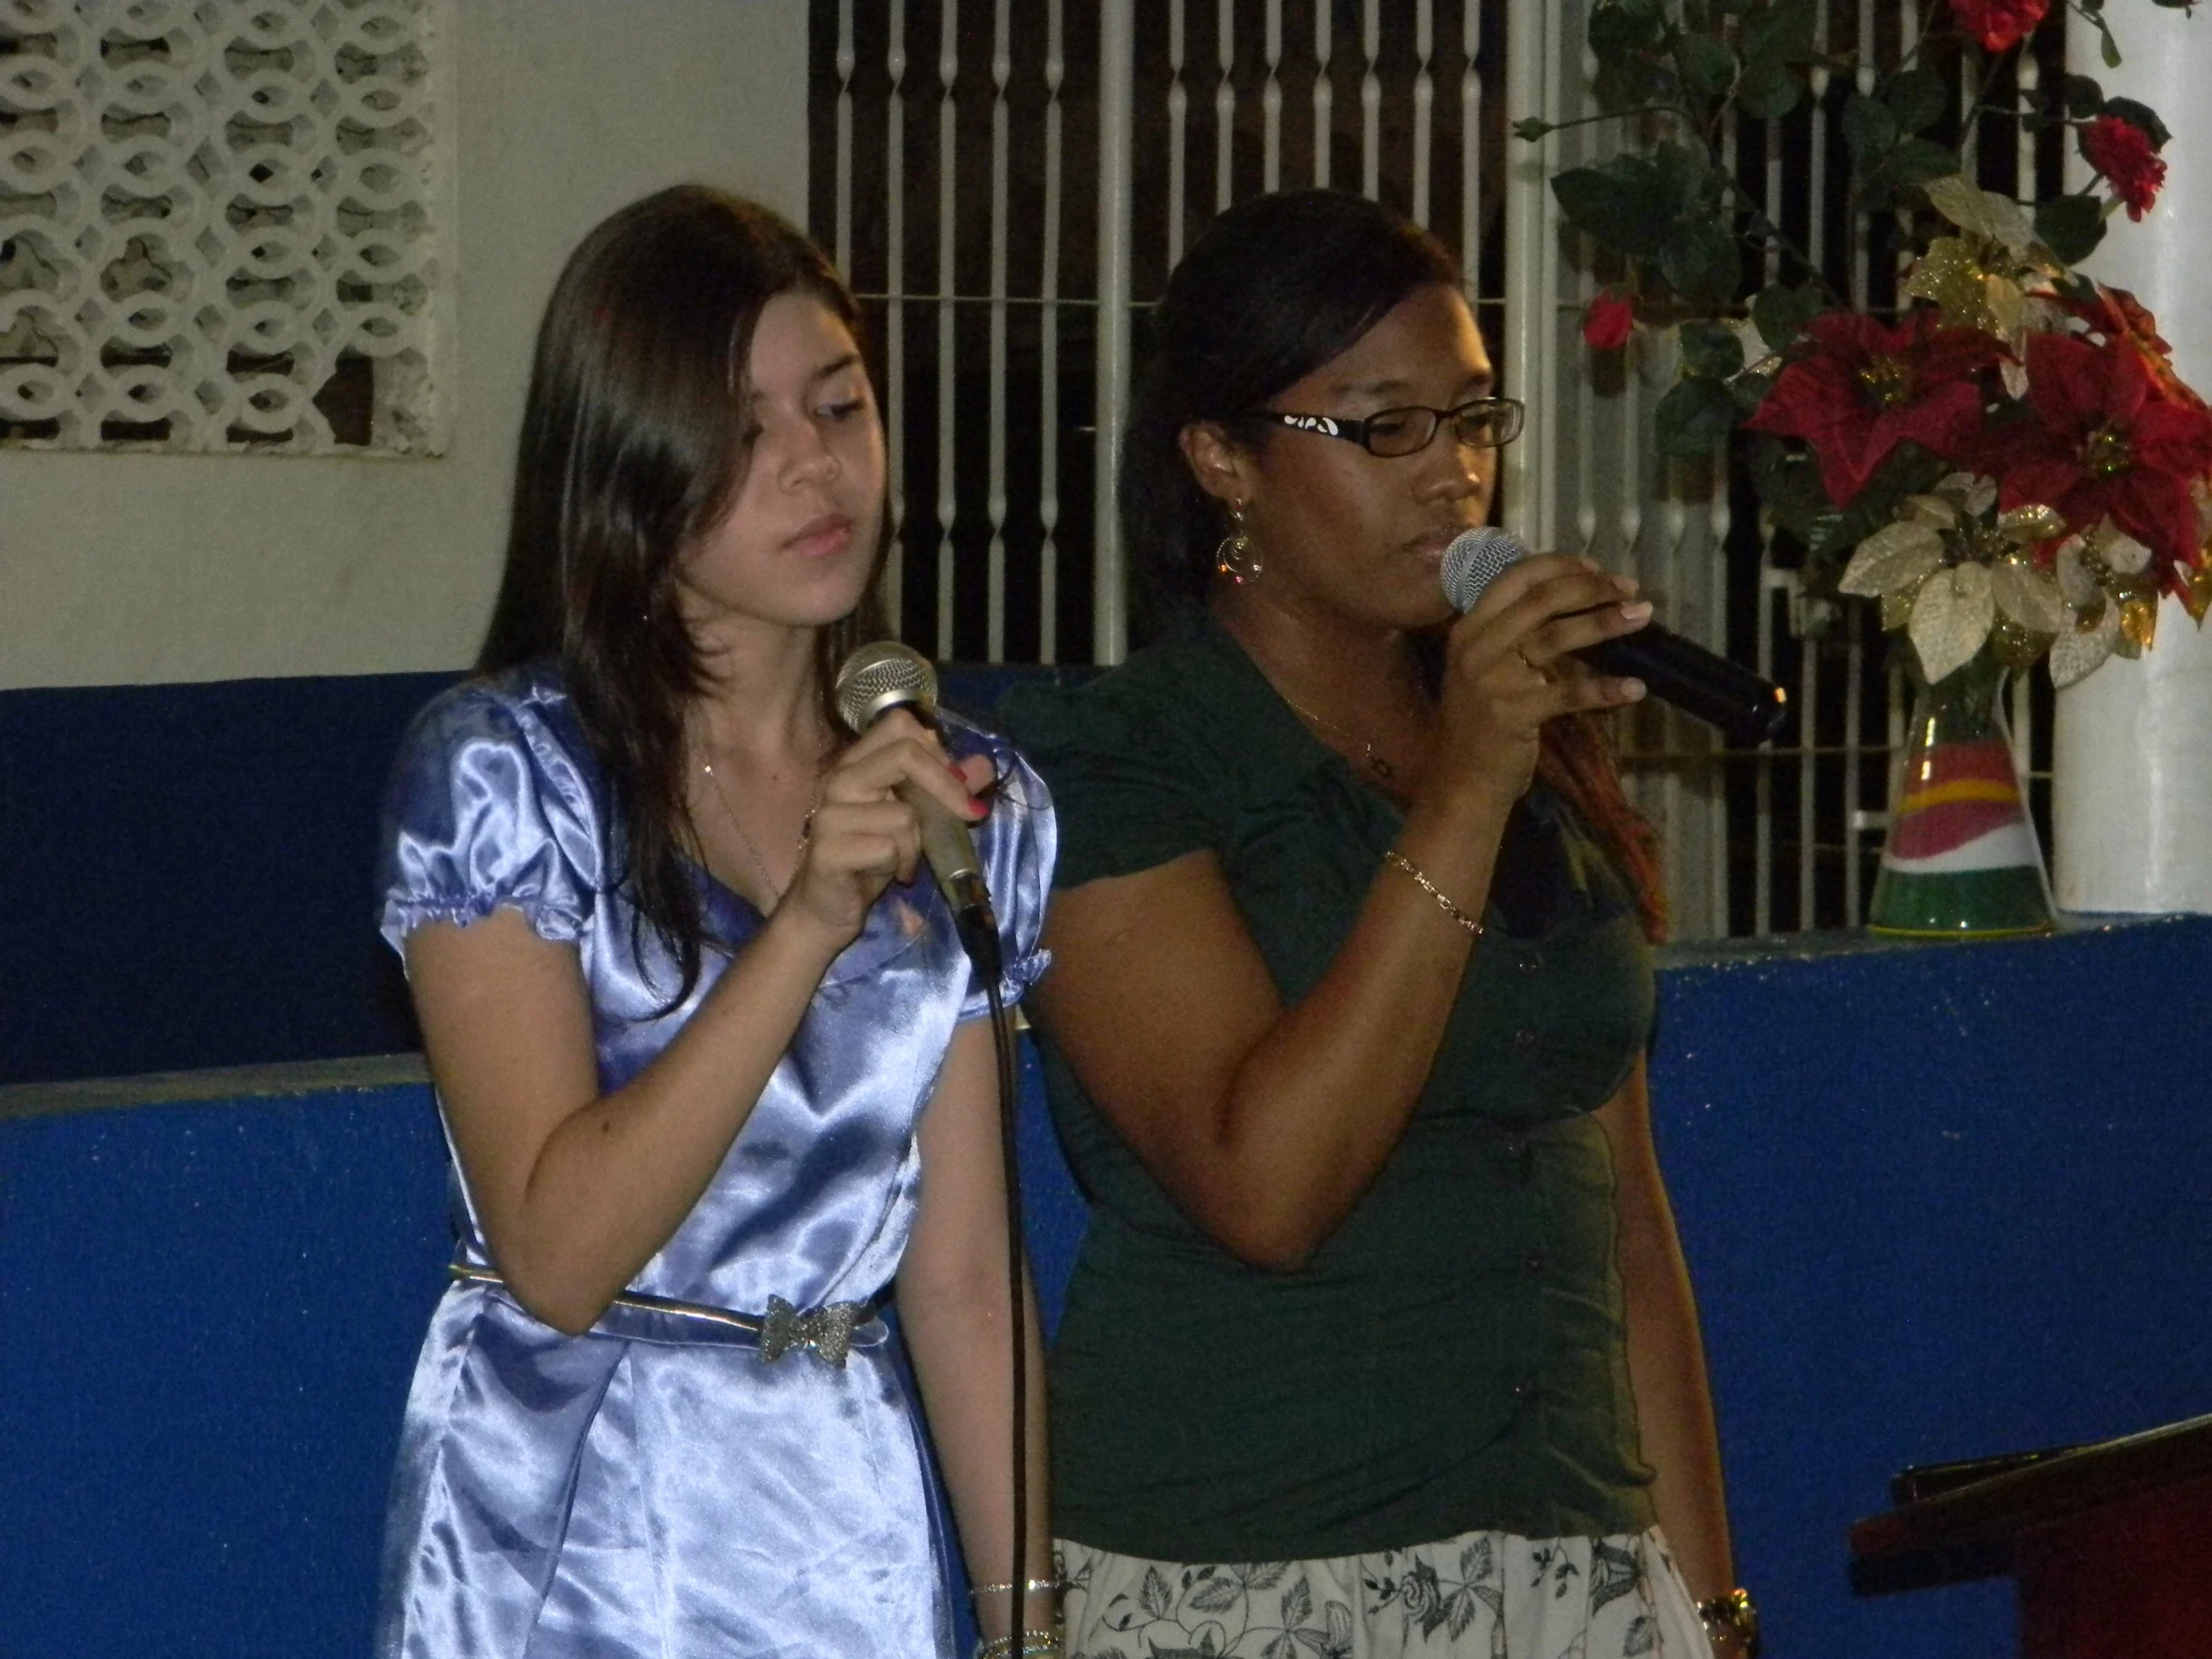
(1375, 760)
(805, 828)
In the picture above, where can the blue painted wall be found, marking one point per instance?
(188, 871)
(1938, 1202)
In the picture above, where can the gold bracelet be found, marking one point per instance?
(1034, 1586)
(1395, 857)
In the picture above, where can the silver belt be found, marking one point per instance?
(829, 1333)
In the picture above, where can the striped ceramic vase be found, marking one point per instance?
(1961, 858)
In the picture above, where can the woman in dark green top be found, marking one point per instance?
(1379, 1340)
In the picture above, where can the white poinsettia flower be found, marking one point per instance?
(2077, 583)
(1952, 619)
(1895, 556)
(2118, 549)
(2077, 652)
(1928, 509)
(2027, 596)
(1974, 493)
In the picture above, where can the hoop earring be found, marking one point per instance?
(1235, 558)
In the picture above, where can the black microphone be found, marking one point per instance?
(871, 682)
(1701, 684)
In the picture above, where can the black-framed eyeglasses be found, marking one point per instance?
(1479, 423)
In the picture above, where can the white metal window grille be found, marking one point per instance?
(1009, 181)
(218, 226)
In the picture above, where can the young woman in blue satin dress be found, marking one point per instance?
(706, 1051)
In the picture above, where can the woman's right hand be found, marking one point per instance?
(863, 835)
(1508, 668)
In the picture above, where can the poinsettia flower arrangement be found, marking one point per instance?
(2009, 461)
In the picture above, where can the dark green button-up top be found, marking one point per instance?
(1453, 1356)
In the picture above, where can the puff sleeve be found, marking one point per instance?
(488, 806)
(1017, 844)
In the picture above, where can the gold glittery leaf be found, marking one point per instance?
(1950, 276)
(2007, 305)
(1895, 556)
(2196, 590)
(2032, 523)
(1982, 212)
(2139, 626)
(1896, 607)
(2016, 648)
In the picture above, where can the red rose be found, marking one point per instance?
(1999, 25)
(2122, 152)
(1865, 388)
(1605, 326)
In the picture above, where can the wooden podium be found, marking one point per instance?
(2111, 1543)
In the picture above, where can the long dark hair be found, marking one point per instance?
(633, 446)
(1274, 289)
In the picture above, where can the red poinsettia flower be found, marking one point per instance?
(1866, 389)
(1606, 325)
(2123, 153)
(1999, 25)
(2101, 443)
(2116, 313)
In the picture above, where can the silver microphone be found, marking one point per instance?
(871, 682)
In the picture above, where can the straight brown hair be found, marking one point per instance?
(634, 444)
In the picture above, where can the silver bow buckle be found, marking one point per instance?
(825, 1330)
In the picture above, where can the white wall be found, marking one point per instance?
(129, 569)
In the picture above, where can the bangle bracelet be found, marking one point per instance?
(1734, 1614)
(1030, 1644)
(1399, 859)
(1034, 1586)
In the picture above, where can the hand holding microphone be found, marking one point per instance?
(1703, 685)
(872, 682)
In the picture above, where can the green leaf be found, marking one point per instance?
(1750, 390)
(1699, 259)
(2108, 48)
(1712, 348)
(1779, 313)
(1695, 418)
(1870, 127)
(1621, 202)
(1918, 98)
(1781, 32)
(1705, 64)
(1918, 160)
(1629, 83)
(2084, 98)
(1768, 90)
(1532, 129)
(1685, 175)
(2070, 226)
(1622, 28)
(2142, 115)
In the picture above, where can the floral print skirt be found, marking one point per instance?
(1482, 1595)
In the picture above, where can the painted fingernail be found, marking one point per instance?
(1633, 690)
(1636, 611)
(1626, 584)
(976, 808)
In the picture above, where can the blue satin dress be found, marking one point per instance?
(658, 1485)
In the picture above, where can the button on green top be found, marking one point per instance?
(1419, 1377)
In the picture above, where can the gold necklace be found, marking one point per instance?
(1376, 761)
(805, 828)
